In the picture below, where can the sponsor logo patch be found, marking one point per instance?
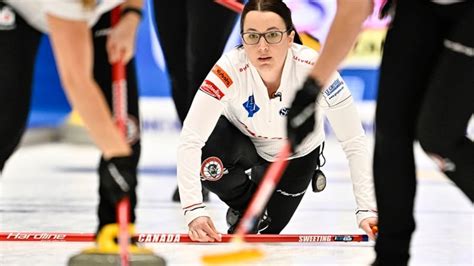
(218, 71)
(284, 111)
(305, 61)
(251, 106)
(333, 89)
(159, 238)
(211, 89)
(242, 69)
(36, 236)
(212, 169)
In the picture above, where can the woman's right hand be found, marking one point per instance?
(202, 229)
(121, 39)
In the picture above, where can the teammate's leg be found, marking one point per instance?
(206, 40)
(18, 47)
(171, 20)
(448, 103)
(408, 51)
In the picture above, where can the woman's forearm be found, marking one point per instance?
(90, 104)
(343, 32)
(72, 46)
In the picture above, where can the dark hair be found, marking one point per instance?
(275, 6)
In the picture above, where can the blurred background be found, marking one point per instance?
(52, 119)
(52, 187)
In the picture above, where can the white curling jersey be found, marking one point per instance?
(34, 11)
(234, 89)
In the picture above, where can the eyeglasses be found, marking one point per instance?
(272, 37)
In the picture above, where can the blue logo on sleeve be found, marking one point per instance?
(333, 89)
(251, 106)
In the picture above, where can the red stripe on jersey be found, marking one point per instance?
(192, 205)
(211, 89)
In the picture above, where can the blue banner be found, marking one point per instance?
(49, 105)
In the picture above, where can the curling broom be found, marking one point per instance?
(257, 204)
(106, 251)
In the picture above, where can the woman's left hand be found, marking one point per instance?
(121, 39)
(367, 224)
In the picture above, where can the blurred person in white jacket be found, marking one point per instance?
(84, 59)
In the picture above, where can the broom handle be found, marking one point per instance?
(119, 90)
(232, 5)
(264, 191)
(169, 238)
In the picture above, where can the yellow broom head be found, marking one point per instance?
(241, 253)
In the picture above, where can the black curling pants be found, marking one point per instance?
(426, 93)
(229, 148)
